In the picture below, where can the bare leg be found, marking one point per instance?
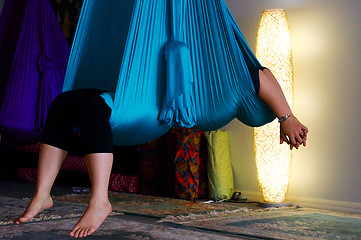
(50, 160)
(99, 168)
(292, 131)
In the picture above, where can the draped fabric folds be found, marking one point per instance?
(178, 103)
(171, 63)
(34, 55)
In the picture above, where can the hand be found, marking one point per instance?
(293, 132)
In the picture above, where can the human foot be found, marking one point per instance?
(37, 204)
(92, 218)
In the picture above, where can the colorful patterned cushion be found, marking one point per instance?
(174, 165)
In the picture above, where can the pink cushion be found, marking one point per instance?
(117, 182)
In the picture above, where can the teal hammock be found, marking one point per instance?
(171, 63)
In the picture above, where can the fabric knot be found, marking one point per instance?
(44, 62)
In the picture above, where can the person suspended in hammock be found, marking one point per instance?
(88, 111)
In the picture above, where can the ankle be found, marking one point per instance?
(41, 194)
(99, 200)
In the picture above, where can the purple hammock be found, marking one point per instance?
(33, 59)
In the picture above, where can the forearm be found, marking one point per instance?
(271, 93)
(291, 130)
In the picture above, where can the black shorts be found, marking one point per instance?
(255, 77)
(78, 122)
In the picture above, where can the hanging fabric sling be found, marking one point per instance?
(33, 59)
(171, 63)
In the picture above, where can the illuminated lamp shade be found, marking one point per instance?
(273, 160)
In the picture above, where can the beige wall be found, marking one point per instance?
(326, 37)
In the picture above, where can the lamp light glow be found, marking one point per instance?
(273, 160)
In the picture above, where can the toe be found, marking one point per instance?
(72, 232)
(86, 232)
(91, 230)
(22, 219)
(81, 232)
(77, 233)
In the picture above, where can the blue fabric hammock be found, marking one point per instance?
(33, 58)
(171, 63)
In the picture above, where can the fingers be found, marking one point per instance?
(297, 145)
(300, 139)
(294, 142)
(304, 138)
(304, 129)
(293, 133)
(284, 139)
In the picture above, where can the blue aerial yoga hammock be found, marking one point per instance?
(33, 58)
(171, 63)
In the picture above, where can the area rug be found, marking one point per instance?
(156, 207)
(11, 208)
(114, 227)
(288, 223)
(146, 217)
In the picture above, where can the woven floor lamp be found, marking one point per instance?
(272, 159)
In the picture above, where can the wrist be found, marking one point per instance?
(284, 118)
